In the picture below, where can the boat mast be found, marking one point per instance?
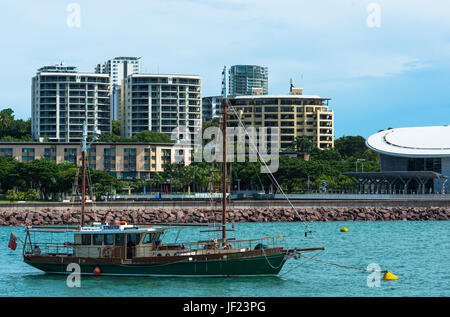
(224, 157)
(83, 168)
(224, 172)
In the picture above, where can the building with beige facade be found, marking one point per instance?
(295, 114)
(122, 160)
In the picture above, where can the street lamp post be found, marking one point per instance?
(362, 164)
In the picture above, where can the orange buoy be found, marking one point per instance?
(97, 271)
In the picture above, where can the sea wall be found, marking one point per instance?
(60, 216)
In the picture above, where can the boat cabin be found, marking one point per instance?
(116, 241)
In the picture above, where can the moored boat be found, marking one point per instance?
(139, 251)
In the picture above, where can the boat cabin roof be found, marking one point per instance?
(97, 228)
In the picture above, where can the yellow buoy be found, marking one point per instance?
(344, 229)
(389, 276)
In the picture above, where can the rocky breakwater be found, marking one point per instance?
(69, 216)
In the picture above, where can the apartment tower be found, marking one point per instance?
(295, 114)
(245, 79)
(161, 103)
(118, 69)
(62, 98)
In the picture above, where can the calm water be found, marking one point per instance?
(417, 252)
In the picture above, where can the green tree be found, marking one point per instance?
(325, 155)
(12, 129)
(116, 127)
(151, 136)
(301, 144)
(350, 146)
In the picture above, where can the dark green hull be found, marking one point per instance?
(266, 265)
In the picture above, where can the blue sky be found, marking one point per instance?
(394, 75)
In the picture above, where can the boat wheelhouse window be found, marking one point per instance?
(97, 239)
(134, 238)
(86, 239)
(119, 239)
(157, 241)
(138, 238)
(108, 239)
(148, 238)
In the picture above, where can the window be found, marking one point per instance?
(108, 239)
(119, 239)
(148, 238)
(97, 239)
(86, 239)
(138, 238)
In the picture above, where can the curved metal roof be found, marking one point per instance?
(431, 141)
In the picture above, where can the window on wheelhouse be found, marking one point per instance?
(108, 239)
(134, 239)
(97, 239)
(148, 238)
(120, 239)
(86, 239)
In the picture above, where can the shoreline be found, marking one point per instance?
(71, 215)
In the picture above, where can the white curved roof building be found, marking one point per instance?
(419, 142)
(412, 160)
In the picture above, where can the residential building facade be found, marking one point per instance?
(118, 69)
(62, 98)
(244, 79)
(161, 103)
(296, 115)
(211, 107)
(121, 160)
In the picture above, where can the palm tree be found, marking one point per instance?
(302, 144)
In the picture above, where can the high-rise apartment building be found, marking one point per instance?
(296, 115)
(62, 98)
(118, 69)
(245, 79)
(211, 107)
(161, 103)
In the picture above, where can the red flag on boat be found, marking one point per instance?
(12, 242)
